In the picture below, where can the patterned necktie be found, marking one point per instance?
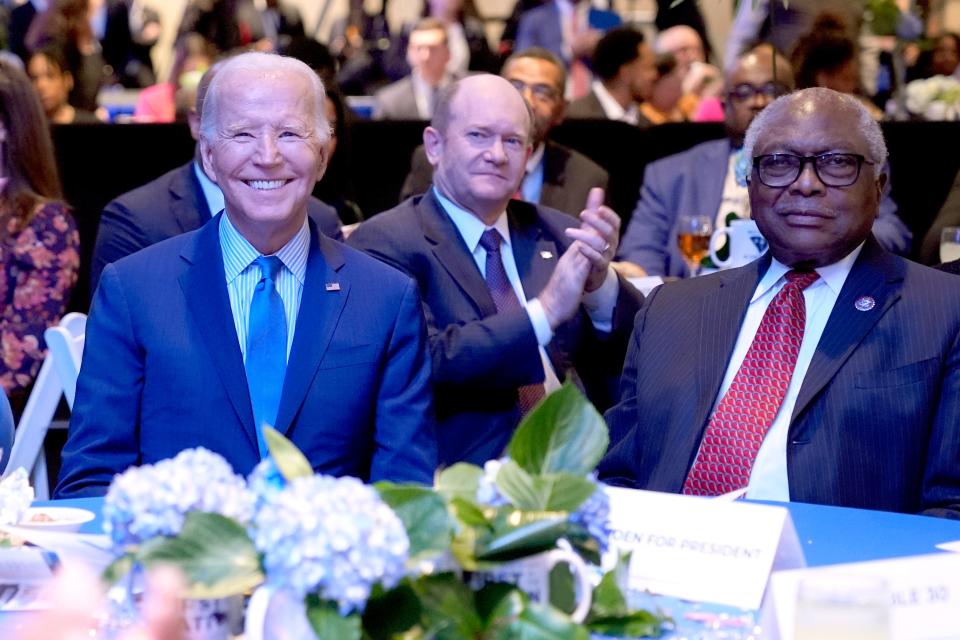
(740, 422)
(504, 297)
(266, 363)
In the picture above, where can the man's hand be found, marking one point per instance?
(629, 269)
(561, 297)
(599, 235)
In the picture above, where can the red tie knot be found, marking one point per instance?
(802, 279)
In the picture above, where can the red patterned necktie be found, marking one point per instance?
(740, 422)
(504, 297)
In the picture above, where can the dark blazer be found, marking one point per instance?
(168, 206)
(540, 27)
(692, 182)
(589, 108)
(481, 357)
(948, 216)
(396, 101)
(568, 176)
(877, 420)
(163, 371)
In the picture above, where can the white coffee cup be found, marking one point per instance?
(745, 241)
(532, 575)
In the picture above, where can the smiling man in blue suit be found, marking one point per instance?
(255, 318)
(826, 371)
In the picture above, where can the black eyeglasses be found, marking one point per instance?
(540, 91)
(747, 91)
(780, 170)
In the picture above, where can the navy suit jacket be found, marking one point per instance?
(876, 424)
(163, 371)
(481, 357)
(691, 182)
(540, 27)
(168, 206)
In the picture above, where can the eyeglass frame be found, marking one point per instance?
(772, 90)
(812, 160)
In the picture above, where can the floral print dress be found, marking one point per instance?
(40, 265)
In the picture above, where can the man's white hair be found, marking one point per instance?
(821, 99)
(258, 66)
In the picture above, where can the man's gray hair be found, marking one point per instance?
(260, 65)
(825, 99)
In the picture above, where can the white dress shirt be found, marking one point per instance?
(768, 478)
(612, 108)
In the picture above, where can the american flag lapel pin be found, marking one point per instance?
(333, 286)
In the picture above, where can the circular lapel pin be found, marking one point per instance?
(865, 303)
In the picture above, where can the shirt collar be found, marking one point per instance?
(536, 157)
(470, 226)
(238, 253)
(611, 107)
(832, 275)
(211, 192)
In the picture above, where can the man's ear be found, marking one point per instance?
(206, 155)
(433, 145)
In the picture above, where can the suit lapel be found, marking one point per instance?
(450, 250)
(552, 193)
(535, 255)
(189, 205)
(205, 291)
(876, 274)
(320, 309)
(721, 315)
(711, 181)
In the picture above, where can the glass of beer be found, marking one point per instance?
(693, 239)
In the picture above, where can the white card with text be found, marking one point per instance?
(923, 593)
(701, 549)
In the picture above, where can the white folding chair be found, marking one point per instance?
(27, 451)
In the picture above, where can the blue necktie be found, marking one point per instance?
(266, 362)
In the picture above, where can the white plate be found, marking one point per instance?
(61, 518)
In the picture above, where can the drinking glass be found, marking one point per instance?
(842, 607)
(693, 239)
(949, 244)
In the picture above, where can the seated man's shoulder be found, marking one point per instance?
(144, 197)
(576, 161)
(165, 254)
(689, 159)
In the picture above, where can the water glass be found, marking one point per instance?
(949, 244)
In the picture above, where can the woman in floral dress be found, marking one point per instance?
(39, 244)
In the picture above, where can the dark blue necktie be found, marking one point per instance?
(266, 362)
(505, 297)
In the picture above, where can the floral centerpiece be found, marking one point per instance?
(936, 98)
(390, 560)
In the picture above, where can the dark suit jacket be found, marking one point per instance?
(396, 101)
(949, 216)
(540, 27)
(168, 206)
(877, 420)
(589, 108)
(481, 357)
(568, 176)
(692, 182)
(163, 371)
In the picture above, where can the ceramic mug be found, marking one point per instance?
(532, 575)
(745, 241)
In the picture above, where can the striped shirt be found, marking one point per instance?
(243, 276)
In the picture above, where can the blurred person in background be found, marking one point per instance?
(699, 81)
(39, 243)
(663, 104)
(267, 25)
(127, 31)
(414, 96)
(163, 101)
(49, 71)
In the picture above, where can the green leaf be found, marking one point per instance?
(118, 569)
(291, 463)
(638, 624)
(460, 481)
(448, 608)
(524, 540)
(608, 599)
(550, 492)
(564, 434)
(327, 623)
(215, 554)
(391, 612)
(424, 515)
(516, 618)
(469, 513)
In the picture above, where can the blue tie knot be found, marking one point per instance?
(269, 267)
(490, 241)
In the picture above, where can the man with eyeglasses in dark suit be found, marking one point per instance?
(703, 180)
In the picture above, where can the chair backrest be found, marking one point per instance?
(27, 450)
(65, 343)
(6, 429)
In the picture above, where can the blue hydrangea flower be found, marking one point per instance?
(742, 167)
(487, 491)
(331, 536)
(152, 500)
(16, 494)
(594, 515)
(265, 481)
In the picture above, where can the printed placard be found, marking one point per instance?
(922, 595)
(701, 549)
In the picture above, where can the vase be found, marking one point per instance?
(276, 614)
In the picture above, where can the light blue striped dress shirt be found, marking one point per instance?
(243, 276)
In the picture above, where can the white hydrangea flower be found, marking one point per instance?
(152, 500)
(16, 494)
(331, 536)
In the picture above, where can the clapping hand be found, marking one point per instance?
(599, 235)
